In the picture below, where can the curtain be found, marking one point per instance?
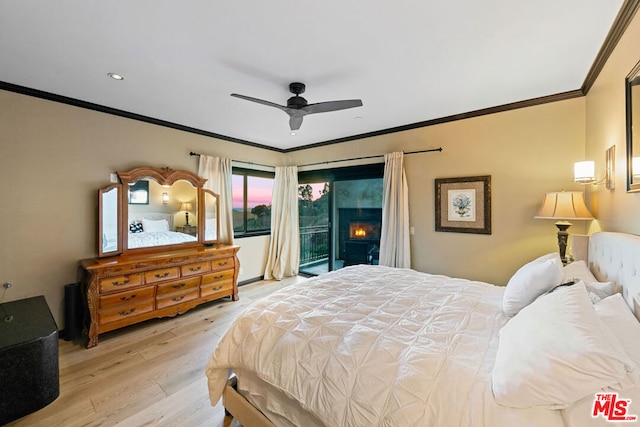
(217, 170)
(284, 247)
(394, 240)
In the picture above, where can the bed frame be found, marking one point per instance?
(238, 408)
(610, 256)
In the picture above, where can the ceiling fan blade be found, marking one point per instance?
(295, 121)
(325, 107)
(261, 101)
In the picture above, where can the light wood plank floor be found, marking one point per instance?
(150, 374)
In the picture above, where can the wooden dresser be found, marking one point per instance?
(131, 288)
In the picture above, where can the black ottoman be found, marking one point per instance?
(29, 374)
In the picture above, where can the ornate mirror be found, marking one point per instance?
(156, 209)
(632, 89)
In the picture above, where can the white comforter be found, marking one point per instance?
(157, 238)
(377, 346)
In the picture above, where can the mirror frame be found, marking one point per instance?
(101, 194)
(164, 176)
(632, 80)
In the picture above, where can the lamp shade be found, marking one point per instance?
(186, 206)
(564, 205)
(584, 171)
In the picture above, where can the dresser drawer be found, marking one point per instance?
(222, 264)
(122, 299)
(178, 286)
(154, 276)
(118, 283)
(223, 288)
(167, 300)
(125, 312)
(197, 268)
(217, 276)
(220, 282)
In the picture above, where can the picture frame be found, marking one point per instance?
(463, 205)
(139, 193)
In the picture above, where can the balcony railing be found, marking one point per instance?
(314, 244)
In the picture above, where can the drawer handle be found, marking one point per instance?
(198, 268)
(180, 298)
(127, 312)
(181, 285)
(160, 276)
(124, 282)
(219, 277)
(128, 298)
(220, 264)
(217, 288)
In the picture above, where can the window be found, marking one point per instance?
(252, 191)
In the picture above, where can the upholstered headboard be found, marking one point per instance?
(613, 257)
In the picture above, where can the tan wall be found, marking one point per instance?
(616, 210)
(527, 152)
(53, 159)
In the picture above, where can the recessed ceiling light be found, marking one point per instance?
(115, 76)
(293, 133)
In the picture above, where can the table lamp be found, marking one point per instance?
(186, 206)
(563, 206)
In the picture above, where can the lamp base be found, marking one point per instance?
(563, 239)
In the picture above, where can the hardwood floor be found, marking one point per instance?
(151, 374)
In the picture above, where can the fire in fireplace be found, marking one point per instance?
(369, 230)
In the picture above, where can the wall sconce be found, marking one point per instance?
(562, 206)
(186, 206)
(585, 172)
(165, 198)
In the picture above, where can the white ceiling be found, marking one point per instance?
(408, 60)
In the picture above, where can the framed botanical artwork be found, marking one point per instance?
(463, 205)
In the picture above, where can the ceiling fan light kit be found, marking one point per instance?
(298, 107)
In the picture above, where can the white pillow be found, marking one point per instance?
(619, 318)
(531, 281)
(579, 270)
(150, 225)
(557, 351)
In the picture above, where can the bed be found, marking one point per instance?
(379, 346)
(154, 229)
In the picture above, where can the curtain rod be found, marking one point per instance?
(191, 153)
(334, 161)
(369, 157)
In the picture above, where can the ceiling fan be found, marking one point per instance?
(297, 107)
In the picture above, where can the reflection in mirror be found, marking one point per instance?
(109, 229)
(633, 128)
(211, 218)
(158, 223)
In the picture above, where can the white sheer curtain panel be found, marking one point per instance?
(284, 247)
(217, 170)
(395, 250)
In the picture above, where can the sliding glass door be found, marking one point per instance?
(340, 215)
(314, 207)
